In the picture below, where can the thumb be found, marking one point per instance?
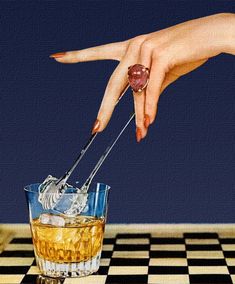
(179, 71)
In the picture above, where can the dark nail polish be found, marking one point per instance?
(146, 120)
(138, 134)
(96, 126)
(57, 55)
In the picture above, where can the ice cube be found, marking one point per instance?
(54, 220)
(49, 192)
(79, 203)
(52, 194)
(72, 202)
(62, 198)
(70, 220)
(45, 219)
(57, 221)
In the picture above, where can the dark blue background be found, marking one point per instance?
(182, 172)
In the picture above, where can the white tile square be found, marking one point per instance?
(107, 247)
(230, 261)
(208, 270)
(16, 261)
(168, 247)
(128, 270)
(131, 254)
(33, 270)
(168, 262)
(205, 254)
(15, 247)
(201, 241)
(229, 247)
(92, 279)
(233, 278)
(168, 279)
(104, 261)
(171, 234)
(138, 241)
(10, 278)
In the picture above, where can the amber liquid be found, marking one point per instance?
(79, 240)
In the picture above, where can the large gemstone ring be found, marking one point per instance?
(138, 77)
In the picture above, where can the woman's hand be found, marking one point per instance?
(168, 53)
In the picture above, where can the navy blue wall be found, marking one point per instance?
(182, 172)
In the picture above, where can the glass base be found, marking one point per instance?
(73, 269)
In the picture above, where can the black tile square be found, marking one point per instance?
(29, 279)
(133, 236)
(17, 253)
(21, 241)
(210, 279)
(131, 247)
(209, 247)
(229, 254)
(228, 241)
(103, 270)
(106, 254)
(167, 254)
(206, 262)
(14, 269)
(168, 270)
(231, 269)
(167, 241)
(109, 241)
(201, 235)
(129, 262)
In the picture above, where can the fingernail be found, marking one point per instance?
(146, 120)
(96, 126)
(138, 134)
(57, 55)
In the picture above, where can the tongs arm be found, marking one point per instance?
(66, 176)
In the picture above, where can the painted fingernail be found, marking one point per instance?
(96, 126)
(146, 120)
(57, 55)
(138, 134)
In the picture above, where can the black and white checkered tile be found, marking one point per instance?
(137, 258)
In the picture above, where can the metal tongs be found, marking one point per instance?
(51, 190)
(79, 202)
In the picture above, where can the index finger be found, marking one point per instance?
(114, 51)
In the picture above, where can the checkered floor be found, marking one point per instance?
(137, 258)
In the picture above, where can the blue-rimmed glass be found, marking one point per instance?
(68, 245)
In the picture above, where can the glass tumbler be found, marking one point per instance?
(68, 245)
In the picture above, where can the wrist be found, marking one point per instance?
(229, 32)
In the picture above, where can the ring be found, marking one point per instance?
(138, 77)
